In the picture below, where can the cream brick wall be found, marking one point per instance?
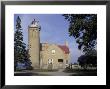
(34, 46)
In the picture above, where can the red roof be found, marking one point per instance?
(64, 48)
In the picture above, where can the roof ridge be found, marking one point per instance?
(64, 48)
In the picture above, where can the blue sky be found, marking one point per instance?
(54, 30)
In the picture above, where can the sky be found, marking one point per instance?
(54, 30)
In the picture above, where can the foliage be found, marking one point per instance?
(88, 59)
(84, 29)
(91, 52)
(20, 51)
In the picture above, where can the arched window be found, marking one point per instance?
(50, 61)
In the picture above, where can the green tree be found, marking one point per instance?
(87, 59)
(91, 52)
(20, 52)
(82, 61)
(84, 29)
(91, 57)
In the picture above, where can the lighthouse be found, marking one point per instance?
(34, 43)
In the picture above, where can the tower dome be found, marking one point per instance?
(35, 23)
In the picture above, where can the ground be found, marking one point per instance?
(60, 72)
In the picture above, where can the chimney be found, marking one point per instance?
(66, 43)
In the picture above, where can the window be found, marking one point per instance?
(53, 51)
(50, 61)
(60, 60)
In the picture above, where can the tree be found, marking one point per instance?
(83, 27)
(87, 59)
(20, 52)
(91, 52)
(82, 61)
(91, 57)
(27, 61)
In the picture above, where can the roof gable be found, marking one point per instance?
(64, 48)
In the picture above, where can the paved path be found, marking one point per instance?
(35, 73)
(56, 73)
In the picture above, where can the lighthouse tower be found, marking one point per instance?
(34, 43)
